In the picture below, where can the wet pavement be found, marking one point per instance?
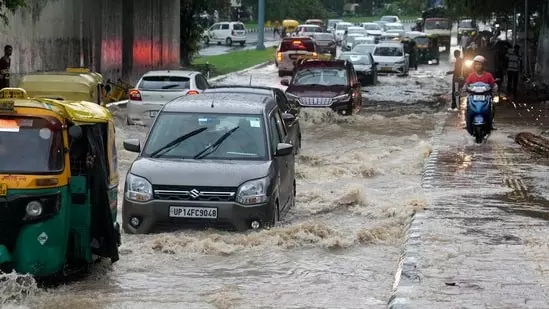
(251, 42)
(483, 240)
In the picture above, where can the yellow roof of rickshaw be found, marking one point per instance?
(78, 112)
(290, 22)
(60, 82)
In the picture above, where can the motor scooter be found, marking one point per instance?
(478, 116)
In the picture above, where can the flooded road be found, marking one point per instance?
(359, 181)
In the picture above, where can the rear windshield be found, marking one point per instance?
(164, 83)
(390, 19)
(309, 29)
(238, 26)
(324, 36)
(387, 51)
(306, 45)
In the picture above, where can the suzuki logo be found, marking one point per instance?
(194, 193)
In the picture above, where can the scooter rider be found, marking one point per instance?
(480, 76)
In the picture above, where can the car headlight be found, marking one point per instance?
(253, 192)
(400, 62)
(343, 97)
(138, 189)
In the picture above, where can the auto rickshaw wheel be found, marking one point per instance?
(206, 40)
(229, 42)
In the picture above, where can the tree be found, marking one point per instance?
(10, 6)
(191, 30)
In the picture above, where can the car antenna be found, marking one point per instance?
(250, 80)
(213, 104)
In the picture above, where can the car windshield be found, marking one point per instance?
(342, 26)
(466, 24)
(390, 19)
(321, 76)
(324, 36)
(31, 145)
(356, 59)
(159, 82)
(372, 27)
(364, 49)
(388, 51)
(248, 142)
(438, 24)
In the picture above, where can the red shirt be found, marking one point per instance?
(486, 78)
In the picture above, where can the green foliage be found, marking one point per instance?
(191, 31)
(294, 9)
(10, 6)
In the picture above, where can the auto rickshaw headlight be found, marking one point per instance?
(138, 189)
(34, 209)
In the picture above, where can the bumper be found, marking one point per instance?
(142, 113)
(392, 68)
(238, 38)
(157, 212)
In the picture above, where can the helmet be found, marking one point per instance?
(479, 59)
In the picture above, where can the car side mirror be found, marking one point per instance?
(284, 149)
(285, 82)
(76, 132)
(132, 145)
(288, 117)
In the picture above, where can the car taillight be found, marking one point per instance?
(279, 56)
(192, 92)
(134, 95)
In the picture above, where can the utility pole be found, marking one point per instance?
(260, 25)
(515, 25)
(526, 47)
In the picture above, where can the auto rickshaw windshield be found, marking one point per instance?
(30, 145)
(421, 40)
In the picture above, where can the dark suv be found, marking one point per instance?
(217, 159)
(290, 111)
(321, 83)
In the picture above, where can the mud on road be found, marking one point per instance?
(359, 181)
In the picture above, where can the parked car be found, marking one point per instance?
(340, 30)
(390, 19)
(291, 49)
(326, 43)
(308, 30)
(290, 111)
(391, 58)
(226, 32)
(155, 88)
(325, 84)
(211, 160)
(372, 29)
(365, 67)
(349, 39)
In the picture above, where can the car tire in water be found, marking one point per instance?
(229, 42)
(273, 216)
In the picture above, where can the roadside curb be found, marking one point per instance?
(408, 274)
(215, 79)
(253, 30)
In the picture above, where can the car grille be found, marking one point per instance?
(194, 193)
(313, 101)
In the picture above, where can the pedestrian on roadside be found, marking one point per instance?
(276, 29)
(457, 80)
(5, 65)
(464, 41)
(513, 69)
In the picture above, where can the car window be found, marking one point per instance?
(321, 76)
(281, 100)
(225, 27)
(201, 82)
(238, 27)
(248, 142)
(276, 137)
(293, 44)
(280, 124)
(160, 82)
(387, 51)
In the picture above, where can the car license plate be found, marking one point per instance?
(193, 212)
(478, 120)
(478, 97)
(3, 189)
(153, 114)
(387, 69)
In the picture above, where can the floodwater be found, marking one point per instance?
(359, 181)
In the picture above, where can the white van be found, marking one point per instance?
(226, 32)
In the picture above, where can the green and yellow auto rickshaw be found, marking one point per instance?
(427, 49)
(58, 185)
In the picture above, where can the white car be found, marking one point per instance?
(357, 29)
(340, 30)
(395, 28)
(390, 19)
(155, 88)
(349, 39)
(391, 58)
(364, 40)
(308, 30)
(226, 32)
(372, 29)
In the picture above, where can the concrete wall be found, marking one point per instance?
(118, 38)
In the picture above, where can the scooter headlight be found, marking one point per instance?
(468, 63)
(34, 209)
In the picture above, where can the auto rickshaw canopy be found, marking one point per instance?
(73, 84)
(290, 23)
(77, 112)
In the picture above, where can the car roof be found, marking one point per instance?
(394, 16)
(321, 63)
(389, 44)
(223, 103)
(344, 23)
(309, 25)
(394, 24)
(171, 73)
(370, 23)
(353, 53)
(356, 27)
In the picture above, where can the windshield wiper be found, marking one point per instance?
(213, 147)
(176, 142)
(170, 86)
